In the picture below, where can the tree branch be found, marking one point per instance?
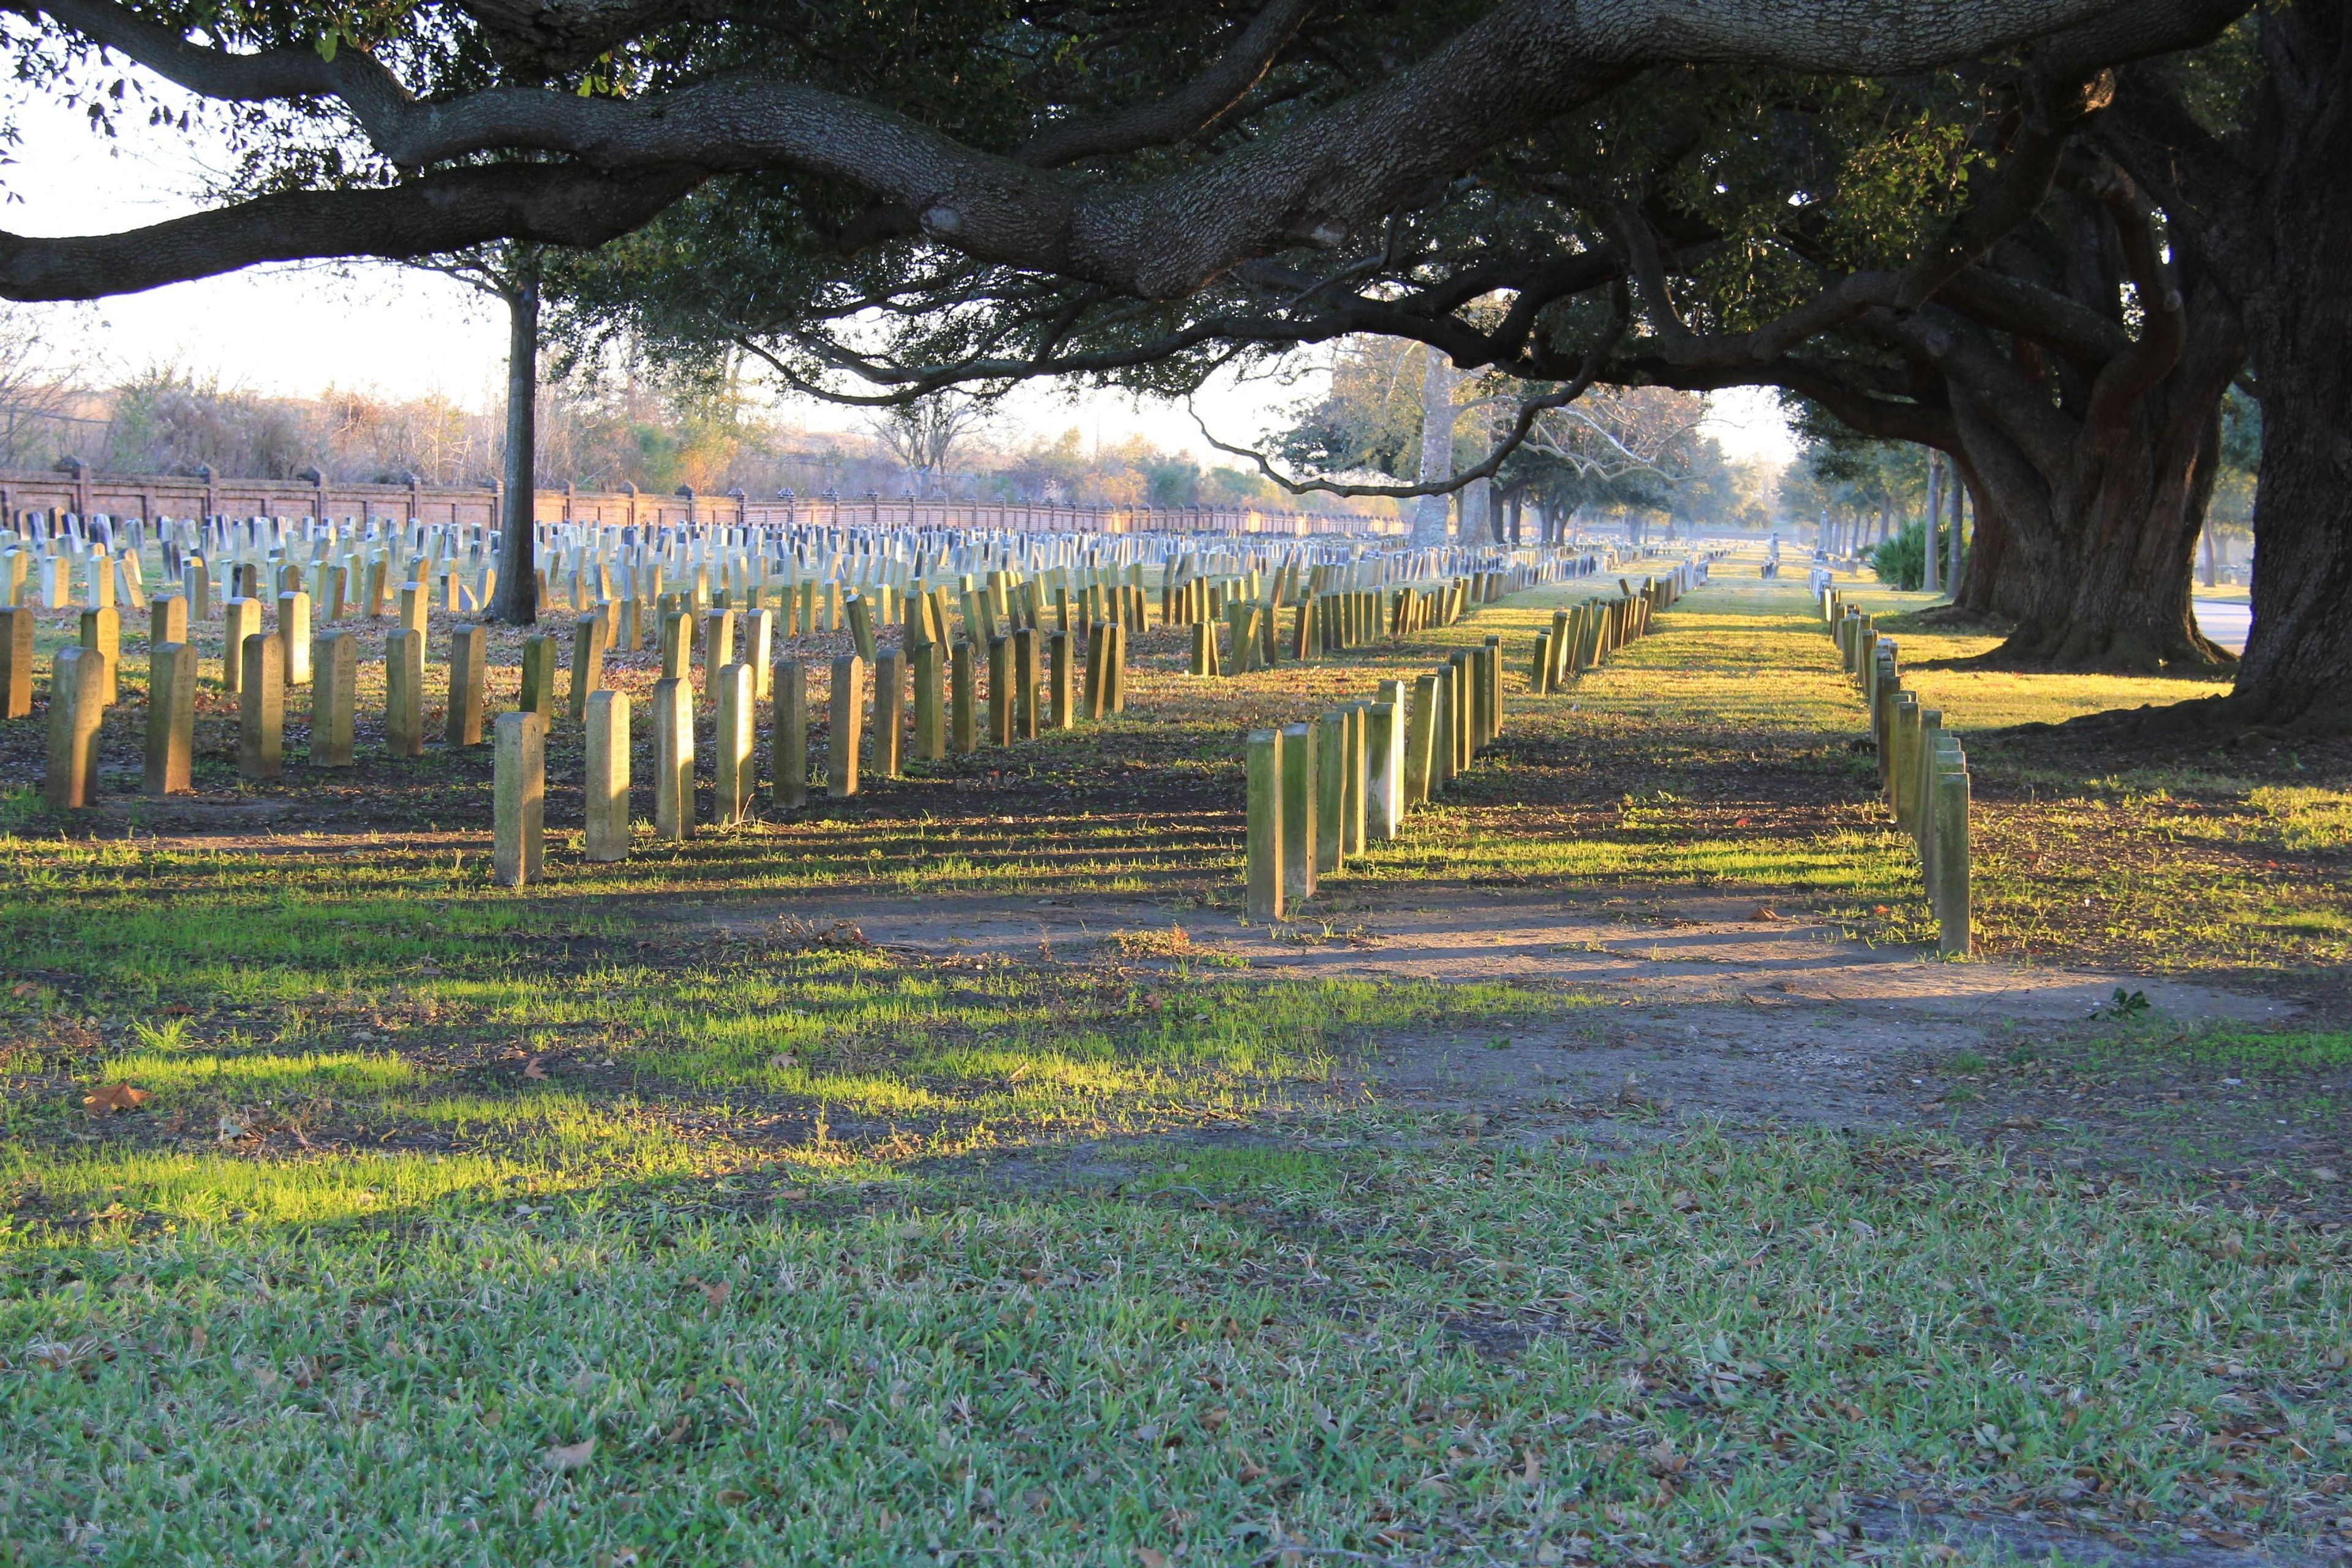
(554, 204)
(1188, 111)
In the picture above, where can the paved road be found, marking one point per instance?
(2225, 621)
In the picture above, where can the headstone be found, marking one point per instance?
(1330, 742)
(1353, 722)
(587, 665)
(676, 643)
(605, 788)
(718, 647)
(861, 626)
(519, 801)
(758, 652)
(734, 763)
(846, 728)
(171, 717)
(1384, 761)
(1421, 733)
(673, 759)
(931, 729)
(1266, 835)
(77, 706)
(469, 649)
(1000, 691)
(792, 735)
(101, 634)
(261, 708)
(1301, 842)
(404, 693)
(240, 618)
(334, 697)
(167, 619)
(964, 737)
(16, 661)
(889, 711)
(1057, 644)
(538, 695)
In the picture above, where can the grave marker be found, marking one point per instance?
(791, 698)
(520, 799)
(77, 706)
(469, 684)
(404, 693)
(16, 661)
(847, 719)
(1267, 835)
(733, 766)
(261, 708)
(673, 703)
(171, 717)
(889, 711)
(334, 697)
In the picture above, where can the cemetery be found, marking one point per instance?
(1484, 974)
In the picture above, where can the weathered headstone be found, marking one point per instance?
(930, 728)
(673, 703)
(718, 647)
(889, 711)
(1354, 723)
(334, 697)
(16, 661)
(1265, 830)
(1063, 694)
(587, 666)
(1301, 845)
(760, 652)
(519, 801)
(1330, 792)
(733, 764)
(294, 636)
(1384, 761)
(171, 717)
(847, 719)
(538, 695)
(1000, 691)
(607, 785)
(1024, 684)
(101, 634)
(77, 707)
(261, 708)
(404, 693)
(167, 619)
(964, 736)
(469, 650)
(790, 700)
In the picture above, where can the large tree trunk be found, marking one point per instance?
(1437, 378)
(516, 602)
(2298, 659)
(2101, 526)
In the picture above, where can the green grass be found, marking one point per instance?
(1718, 1344)
(840, 1254)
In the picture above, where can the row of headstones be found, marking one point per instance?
(1318, 792)
(264, 666)
(1923, 770)
(1581, 636)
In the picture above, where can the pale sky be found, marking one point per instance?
(294, 330)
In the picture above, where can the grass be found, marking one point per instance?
(620, 1220)
(872, 1374)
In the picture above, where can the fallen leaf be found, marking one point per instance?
(715, 1294)
(232, 1128)
(1151, 1558)
(109, 1098)
(2323, 1172)
(783, 1059)
(23, 988)
(532, 1070)
(734, 1495)
(1762, 913)
(567, 1456)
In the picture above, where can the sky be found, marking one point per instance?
(403, 333)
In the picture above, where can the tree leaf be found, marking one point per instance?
(109, 1098)
(564, 1457)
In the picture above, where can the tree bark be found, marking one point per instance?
(1437, 378)
(516, 601)
(2269, 213)
(2094, 563)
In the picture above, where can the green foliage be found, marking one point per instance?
(1901, 561)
